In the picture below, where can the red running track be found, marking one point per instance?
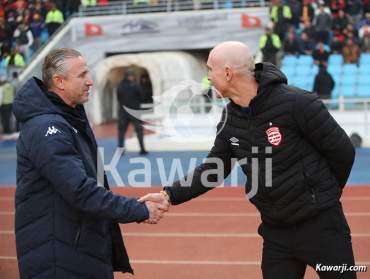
(213, 236)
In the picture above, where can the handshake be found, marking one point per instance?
(157, 204)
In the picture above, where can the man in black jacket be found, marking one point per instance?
(298, 196)
(130, 97)
(324, 83)
(66, 218)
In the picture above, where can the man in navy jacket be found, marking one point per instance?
(66, 225)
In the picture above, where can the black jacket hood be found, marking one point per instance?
(267, 74)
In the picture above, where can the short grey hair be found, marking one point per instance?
(55, 63)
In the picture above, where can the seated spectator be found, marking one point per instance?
(340, 21)
(351, 53)
(351, 32)
(365, 42)
(54, 19)
(291, 44)
(307, 44)
(24, 40)
(307, 12)
(321, 55)
(364, 33)
(309, 29)
(36, 28)
(354, 10)
(270, 45)
(295, 8)
(339, 24)
(324, 83)
(323, 25)
(365, 21)
(336, 6)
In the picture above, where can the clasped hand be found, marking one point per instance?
(157, 205)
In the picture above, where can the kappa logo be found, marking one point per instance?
(51, 131)
(234, 141)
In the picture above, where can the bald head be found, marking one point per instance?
(234, 55)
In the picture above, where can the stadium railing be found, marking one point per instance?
(117, 8)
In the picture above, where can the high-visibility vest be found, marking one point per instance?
(287, 13)
(18, 60)
(136, 2)
(206, 83)
(88, 3)
(55, 16)
(275, 41)
(8, 93)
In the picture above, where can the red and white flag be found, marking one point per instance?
(93, 30)
(251, 21)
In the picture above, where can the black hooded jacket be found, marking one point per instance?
(66, 225)
(290, 129)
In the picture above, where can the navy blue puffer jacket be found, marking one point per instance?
(65, 224)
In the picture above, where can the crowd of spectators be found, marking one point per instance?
(317, 28)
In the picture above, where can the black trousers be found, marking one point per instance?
(124, 119)
(322, 240)
(6, 116)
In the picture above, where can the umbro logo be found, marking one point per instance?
(234, 141)
(51, 131)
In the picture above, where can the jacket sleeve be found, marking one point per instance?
(324, 133)
(56, 158)
(216, 167)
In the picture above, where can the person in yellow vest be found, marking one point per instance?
(270, 45)
(8, 93)
(207, 92)
(15, 59)
(281, 16)
(87, 3)
(142, 5)
(54, 19)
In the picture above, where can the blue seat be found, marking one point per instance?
(365, 59)
(289, 71)
(305, 60)
(304, 70)
(364, 69)
(337, 78)
(363, 79)
(335, 92)
(289, 60)
(363, 90)
(335, 59)
(349, 80)
(349, 69)
(315, 69)
(335, 69)
(347, 90)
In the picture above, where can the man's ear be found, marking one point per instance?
(58, 81)
(228, 74)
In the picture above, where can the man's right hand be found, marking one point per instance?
(156, 211)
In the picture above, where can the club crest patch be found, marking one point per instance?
(274, 136)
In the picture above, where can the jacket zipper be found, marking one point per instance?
(77, 238)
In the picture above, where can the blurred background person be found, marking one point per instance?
(324, 83)
(130, 96)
